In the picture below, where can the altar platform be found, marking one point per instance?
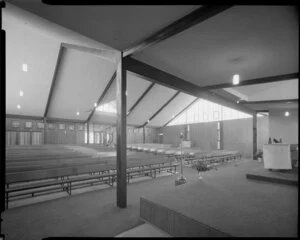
(225, 204)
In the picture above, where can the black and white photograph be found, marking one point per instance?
(171, 120)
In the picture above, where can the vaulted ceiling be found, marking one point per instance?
(71, 63)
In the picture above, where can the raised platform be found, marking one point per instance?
(287, 177)
(224, 204)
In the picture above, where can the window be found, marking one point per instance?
(109, 107)
(206, 111)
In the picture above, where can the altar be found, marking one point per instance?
(277, 156)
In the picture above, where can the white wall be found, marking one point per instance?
(283, 127)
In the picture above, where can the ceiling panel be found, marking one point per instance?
(26, 45)
(172, 109)
(269, 91)
(117, 26)
(154, 99)
(253, 41)
(81, 79)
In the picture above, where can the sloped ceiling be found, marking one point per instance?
(81, 78)
(117, 26)
(172, 109)
(269, 91)
(253, 41)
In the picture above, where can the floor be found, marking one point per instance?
(94, 214)
(144, 230)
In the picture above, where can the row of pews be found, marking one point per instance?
(189, 155)
(36, 170)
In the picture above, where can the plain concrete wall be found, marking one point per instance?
(283, 127)
(238, 135)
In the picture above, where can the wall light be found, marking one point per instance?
(286, 114)
(95, 104)
(77, 113)
(21, 93)
(18, 106)
(24, 67)
(236, 79)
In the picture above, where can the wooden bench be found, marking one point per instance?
(65, 184)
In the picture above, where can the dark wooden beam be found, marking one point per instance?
(121, 135)
(140, 98)
(158, 76)
(254, 136)
(49, 119)
(263, 80)
(54, 80)
(270, 101)
(180, 112)
(144, 135)
(102, 96)
(162, 107)
(23, 117)
(199, 15)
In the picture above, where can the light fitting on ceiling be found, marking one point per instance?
(148, 121)
(18, 106)
(24, 67)
(286, 114)
(236, 79)
(95, 104)
(21, 93)
(77, 113)
(237, 101)
(126, 93)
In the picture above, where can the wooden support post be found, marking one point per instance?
(144, 135)
(254, 136)
(88, 132)
(45, 121)
(121, 135)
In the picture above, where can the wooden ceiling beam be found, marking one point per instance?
(102, 95)
(199, 15)
(162, 107)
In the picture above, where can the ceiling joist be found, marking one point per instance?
(162, 107)
(54, 80)
(140, 98)
(199, 15)
(277, 78)
(158, 76)
(102, 95)
(270, 101)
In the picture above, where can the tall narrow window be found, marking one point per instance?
(219, 135)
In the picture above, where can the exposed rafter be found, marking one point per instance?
(140, 98)
(162, 107)
(180, 112)
(158, 76)
(102, 95)
(263, 80)
(40, 118)
(199, 15)
(271, 101)
(54, 80)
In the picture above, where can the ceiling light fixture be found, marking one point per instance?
(286, 114)
(24, 67)
(18, 106)
(95, 104)
(21, 93)
(77, 113)
(237, 101)
(236, 79)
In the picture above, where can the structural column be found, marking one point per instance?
(121, 135)
(88, 132)
(254, 136)
(144, 135)
(45, 121)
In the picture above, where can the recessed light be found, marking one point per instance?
(77, 113)
(24, 67)
(286, 114)
(18, 106)
(236, 79)
(21, 93)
